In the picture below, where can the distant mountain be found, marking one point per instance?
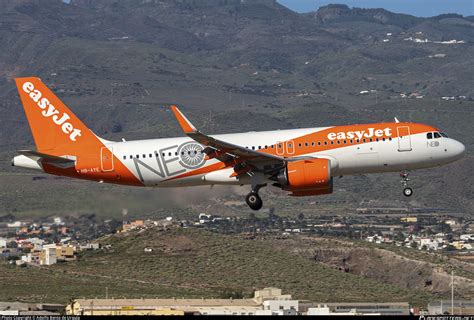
(239, 65)
(342, 13)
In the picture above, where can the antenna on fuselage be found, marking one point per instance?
(396, 120)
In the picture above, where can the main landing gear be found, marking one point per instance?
(253, 199)
(407, 191)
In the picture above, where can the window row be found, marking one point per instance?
(319, 143)
(289, 145)
(164, 154)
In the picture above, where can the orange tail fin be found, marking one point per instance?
(56, 130)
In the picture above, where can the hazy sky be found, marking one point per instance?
(420, 8)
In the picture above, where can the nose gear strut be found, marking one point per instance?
(407, 191)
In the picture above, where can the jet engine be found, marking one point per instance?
(306, 177)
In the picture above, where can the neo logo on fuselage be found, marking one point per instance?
(50, 111)
(171, 161)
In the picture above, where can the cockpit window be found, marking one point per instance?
(429, 135)
(436, 135)
(444, 134)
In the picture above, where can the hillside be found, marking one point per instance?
(233, 66)
(209, 263)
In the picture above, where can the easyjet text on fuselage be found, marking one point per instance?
(360, 134)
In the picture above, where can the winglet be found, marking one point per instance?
(185, 124)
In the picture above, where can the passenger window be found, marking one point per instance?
(124, 157)
(138, 156)
(306, 144)
(325, 143)
(151, 156)
(131, 157)
(436, 135)
(338, 142)
(389, 139)
(319, 143)
(299, 145)
(429, 135)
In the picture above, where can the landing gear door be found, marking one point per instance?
(106, 159)
(404, 140)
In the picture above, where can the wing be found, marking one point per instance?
(229, 152)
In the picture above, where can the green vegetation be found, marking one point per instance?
(210, 264)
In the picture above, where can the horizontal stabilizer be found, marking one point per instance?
(44, 157)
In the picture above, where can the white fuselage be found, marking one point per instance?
(168, 163)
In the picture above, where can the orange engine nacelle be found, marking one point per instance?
(307, 177)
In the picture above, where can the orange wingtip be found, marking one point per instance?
(185, 124)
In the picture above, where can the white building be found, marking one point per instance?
(49, 256)
(279, 307)
(326, 311)
(15, 224)
(465, 237)
(58, 221)
(3, 242)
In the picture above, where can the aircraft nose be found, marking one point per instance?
(458, 150)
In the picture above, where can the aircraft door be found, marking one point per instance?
(106, 159)
(290, 147)
(280, 148)
(404, 140)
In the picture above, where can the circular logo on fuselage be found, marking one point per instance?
(191, 155)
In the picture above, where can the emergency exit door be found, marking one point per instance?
(106, 159)
(404, 140)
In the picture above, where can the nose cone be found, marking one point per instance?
(458, 150)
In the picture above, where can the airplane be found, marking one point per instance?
(302, 162)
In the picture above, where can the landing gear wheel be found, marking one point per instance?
(254, 201)
(407, 192)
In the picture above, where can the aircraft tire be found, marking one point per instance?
(254, 201)
(407, 192)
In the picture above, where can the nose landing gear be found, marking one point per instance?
(407, 191)
(253, 199)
